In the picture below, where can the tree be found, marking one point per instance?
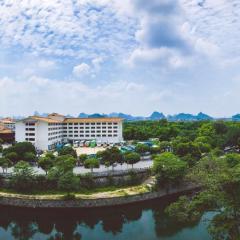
(91, 163)
(66, 150)
(142, 148)
(12, 156)
(232, 159)
(46, 163)
(29, 157)
(23, 177)
(132, 158)
(168, 168)
(112, 155)
(82, 157)
(220, 179)
(20, 149)
(62, 165)
(5, 163)
(68, 182)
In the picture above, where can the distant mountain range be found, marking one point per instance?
(154, 116)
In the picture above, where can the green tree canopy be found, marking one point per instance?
(23, 177)
(168, 168)
(67, 150)
(5, 163)
(132, 158)
(91, 163)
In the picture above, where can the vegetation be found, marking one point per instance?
(132, 158)
(205, 153)
(91, 163)
(169, 168)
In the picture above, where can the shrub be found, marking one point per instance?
(69, 196)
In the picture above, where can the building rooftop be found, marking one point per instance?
(5, 130)
(7, 120)
(44, 119)
(79, 120)
(71, 120)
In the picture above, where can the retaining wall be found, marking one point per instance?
(91, 203)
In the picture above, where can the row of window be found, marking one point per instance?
(92, 135)
(30, 139)
(30, 129)
(55, 133)
(56, 137)
(93, 123)
(109, 127)
(87, 131)
(54, 128)
(30, 134)
(29, 124)
(54, 124)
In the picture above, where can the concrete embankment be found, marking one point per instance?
(32, 201)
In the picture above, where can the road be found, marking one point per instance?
(82, 170)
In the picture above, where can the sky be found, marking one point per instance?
(131, 56)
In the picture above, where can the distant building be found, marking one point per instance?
(6, 134)
(46, 132)
(8, 123)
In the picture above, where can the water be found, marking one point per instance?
(138, 221)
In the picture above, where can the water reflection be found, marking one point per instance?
(140, 221)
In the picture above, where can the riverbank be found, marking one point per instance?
(121, 196)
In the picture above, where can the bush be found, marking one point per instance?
(87, 181)
(69, 196)
(23, 178)
(68, 182)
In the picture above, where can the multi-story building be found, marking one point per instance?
(8, 123)
(46, 132)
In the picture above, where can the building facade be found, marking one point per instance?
(6, 135)
(8, 123)
(45, 133)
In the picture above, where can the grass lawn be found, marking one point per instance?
(105, 192)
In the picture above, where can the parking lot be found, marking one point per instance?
(88, 150)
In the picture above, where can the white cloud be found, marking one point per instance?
(70, 96)
(80, 29)
(81, 70)
(46, 64)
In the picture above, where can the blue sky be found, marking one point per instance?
(132, 56)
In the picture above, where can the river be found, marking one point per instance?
(145, 221)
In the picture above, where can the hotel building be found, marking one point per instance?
(46, 132)
(8, 123)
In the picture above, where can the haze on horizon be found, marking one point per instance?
(131, 56)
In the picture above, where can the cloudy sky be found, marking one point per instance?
(132, 56)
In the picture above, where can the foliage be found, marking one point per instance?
(12, 156)
(5, 163)
(23, 177)
(46, 163)
(21, 151)
(111, 156)
(68, 182)
(29, 157)
(168, 168)
(62, 165)
(67, 150)
(132, 158)
(69, 196)
(82, 157)
(142, 148)
(91, 163)
(220, 179)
